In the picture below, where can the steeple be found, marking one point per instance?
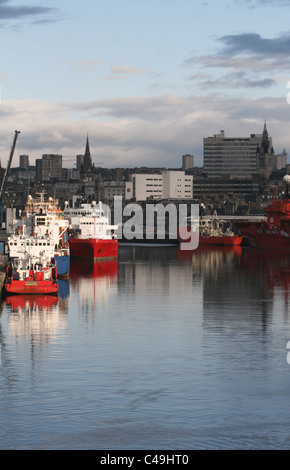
(265, 155)
(87, 168)
(265, 139)
(87, 152)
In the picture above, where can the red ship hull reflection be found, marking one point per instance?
(41, 301)
(89, 268)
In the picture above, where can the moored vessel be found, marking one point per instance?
(272, 231)
(41, 230)
(28, 275)
(94, 238)
(210, 231)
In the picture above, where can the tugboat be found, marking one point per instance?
(95, 237)
(274, 232)
(213, 232)
(28, 275)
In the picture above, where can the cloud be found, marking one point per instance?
(232, 80)
(9, 12)
(123, 72)
(254, 44)
(128, 70)
(250, 60)
(239, 63)
(129, 132)
(263, 3)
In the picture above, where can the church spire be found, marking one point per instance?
(265, 139)
(87, 167)
(87, 152)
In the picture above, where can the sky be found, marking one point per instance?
(146, 80)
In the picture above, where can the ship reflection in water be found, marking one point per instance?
(161, 348)
(244, 278)
(95, 281)
(37, 319)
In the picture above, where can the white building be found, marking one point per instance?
(147, 186)
(177, 185)
(280, 160)
(170, 184)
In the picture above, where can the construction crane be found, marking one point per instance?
(8, 165)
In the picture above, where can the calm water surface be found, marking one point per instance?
(161, 349)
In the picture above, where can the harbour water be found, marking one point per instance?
(161, 349)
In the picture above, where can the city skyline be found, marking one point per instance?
(146, 81)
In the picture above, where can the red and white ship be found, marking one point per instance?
(41, 231)
(210, 232)
(274, 231)
(95, 237)
(28, 275)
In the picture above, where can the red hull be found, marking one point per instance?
(31, 287)
(259, 237)
(93, 248)
(224, 241)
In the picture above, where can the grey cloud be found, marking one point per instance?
(234, 81)
(263, 3)
(240, 62)
(253, 43)
(266, 83)
(255, 58)
(15, 12)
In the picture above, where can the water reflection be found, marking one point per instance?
(178, 359)
(154, 272)
(93, 281)
(240, 281)
(63, 288)
(35, 318)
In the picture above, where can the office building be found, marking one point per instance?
(238, 157)
(280, 160)
(169, 184)
(177, 185)
(146, 186)
(112, 189)
(49, 167)
(187, 162)
(79, 161)
(24, 162)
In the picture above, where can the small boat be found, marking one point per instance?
(28, 275)
(94, 237)
(211, 231)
